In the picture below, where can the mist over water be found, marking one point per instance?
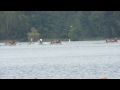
(74, 60)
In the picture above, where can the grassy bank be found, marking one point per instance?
(85, 39)
(48, 40)
(94, 39)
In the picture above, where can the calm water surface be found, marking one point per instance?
(74, 60)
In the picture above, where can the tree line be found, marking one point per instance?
(76, 25)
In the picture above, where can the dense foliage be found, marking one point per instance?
(75, 25)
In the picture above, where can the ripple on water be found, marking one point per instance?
(83, 59)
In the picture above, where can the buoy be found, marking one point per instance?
(104, 78)
(69, 40)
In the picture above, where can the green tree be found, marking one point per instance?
(72, 34)
(33, 34)
(96, 20)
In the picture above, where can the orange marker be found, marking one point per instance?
(104, 78)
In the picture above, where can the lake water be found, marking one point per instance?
(74, 60)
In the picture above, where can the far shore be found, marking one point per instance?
(48, 40)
